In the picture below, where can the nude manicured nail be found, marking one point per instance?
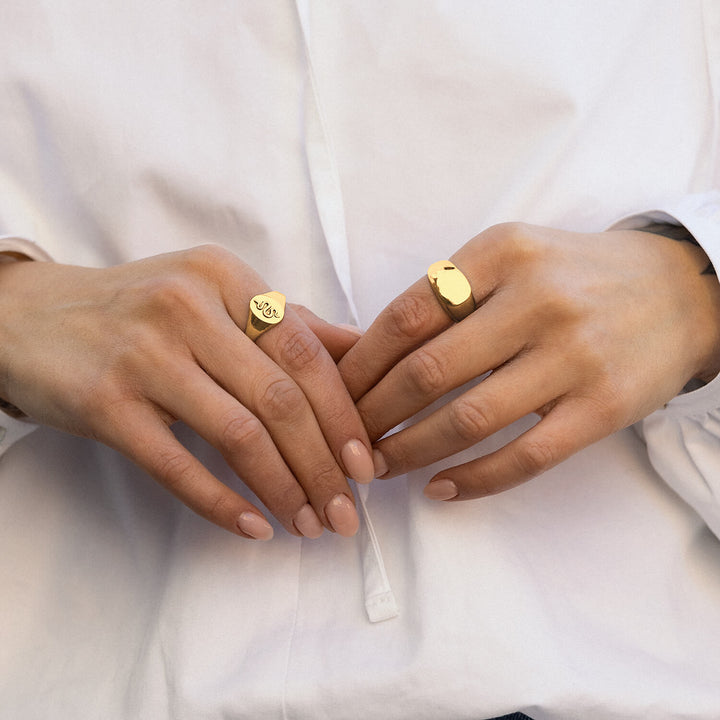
(381, 466)
(255, 526)
(307, 522)
(342, 515)
(358, 463)
(441, 490)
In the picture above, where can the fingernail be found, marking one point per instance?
(358, 462)
(307, 522)
(354, 329)
(379, 462)
(255, 526)
(342, 515)
(443, 489)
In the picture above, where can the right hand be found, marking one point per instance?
(119, 354)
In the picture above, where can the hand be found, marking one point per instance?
(590, 331)
(119, 354)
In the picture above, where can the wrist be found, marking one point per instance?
(16, 250)
(704, 305)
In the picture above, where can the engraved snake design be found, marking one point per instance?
(266, 308)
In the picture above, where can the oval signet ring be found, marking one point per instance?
(266, 310)
(452, 289)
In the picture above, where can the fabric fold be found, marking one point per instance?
(380, 602)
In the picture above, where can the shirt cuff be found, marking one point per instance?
(700, 214)
(13, 249)
(683, 438)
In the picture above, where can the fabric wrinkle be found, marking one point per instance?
(711, 21)
(380, 602)
(291, 638)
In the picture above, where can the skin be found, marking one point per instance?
(119, 354)
(592, 332)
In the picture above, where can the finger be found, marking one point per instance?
(566, 429)
(405, 324)
(416, 315)
(146, 440)
(242, 440)
(466, 350)
(337, 339)
(299, 352)
(514, 391)
(240, 367)
(280, 403)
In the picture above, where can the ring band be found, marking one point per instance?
(452, 289)
(266, 310)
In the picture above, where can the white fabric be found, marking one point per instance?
(130, 128)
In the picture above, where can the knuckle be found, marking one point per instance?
(283, 498)
(218, 506)
(207, 255)
(173, 467)
(534, 457)
(333, 415)
(166, 296)
(470, 420)
(606, 406)
(326, 478)
(557, 305)
(507, 232)
(590, 355)
(300, 351)
(481, 485)
(143, 348)
(240, 430)
(399, 453)
(181, 280)
(281, 399)
(409, 316)
(519, 239)
(427, 372)
(371, 418)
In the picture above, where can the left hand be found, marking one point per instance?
(119, 354)
(590, 331)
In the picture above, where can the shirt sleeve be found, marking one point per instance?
(683, 438)
(13, 249)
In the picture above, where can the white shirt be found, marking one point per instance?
(340, 149)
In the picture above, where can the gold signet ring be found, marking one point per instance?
(265, 311)
(452, 289)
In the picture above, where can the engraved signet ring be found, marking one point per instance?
(452, 289)
(265, 311)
